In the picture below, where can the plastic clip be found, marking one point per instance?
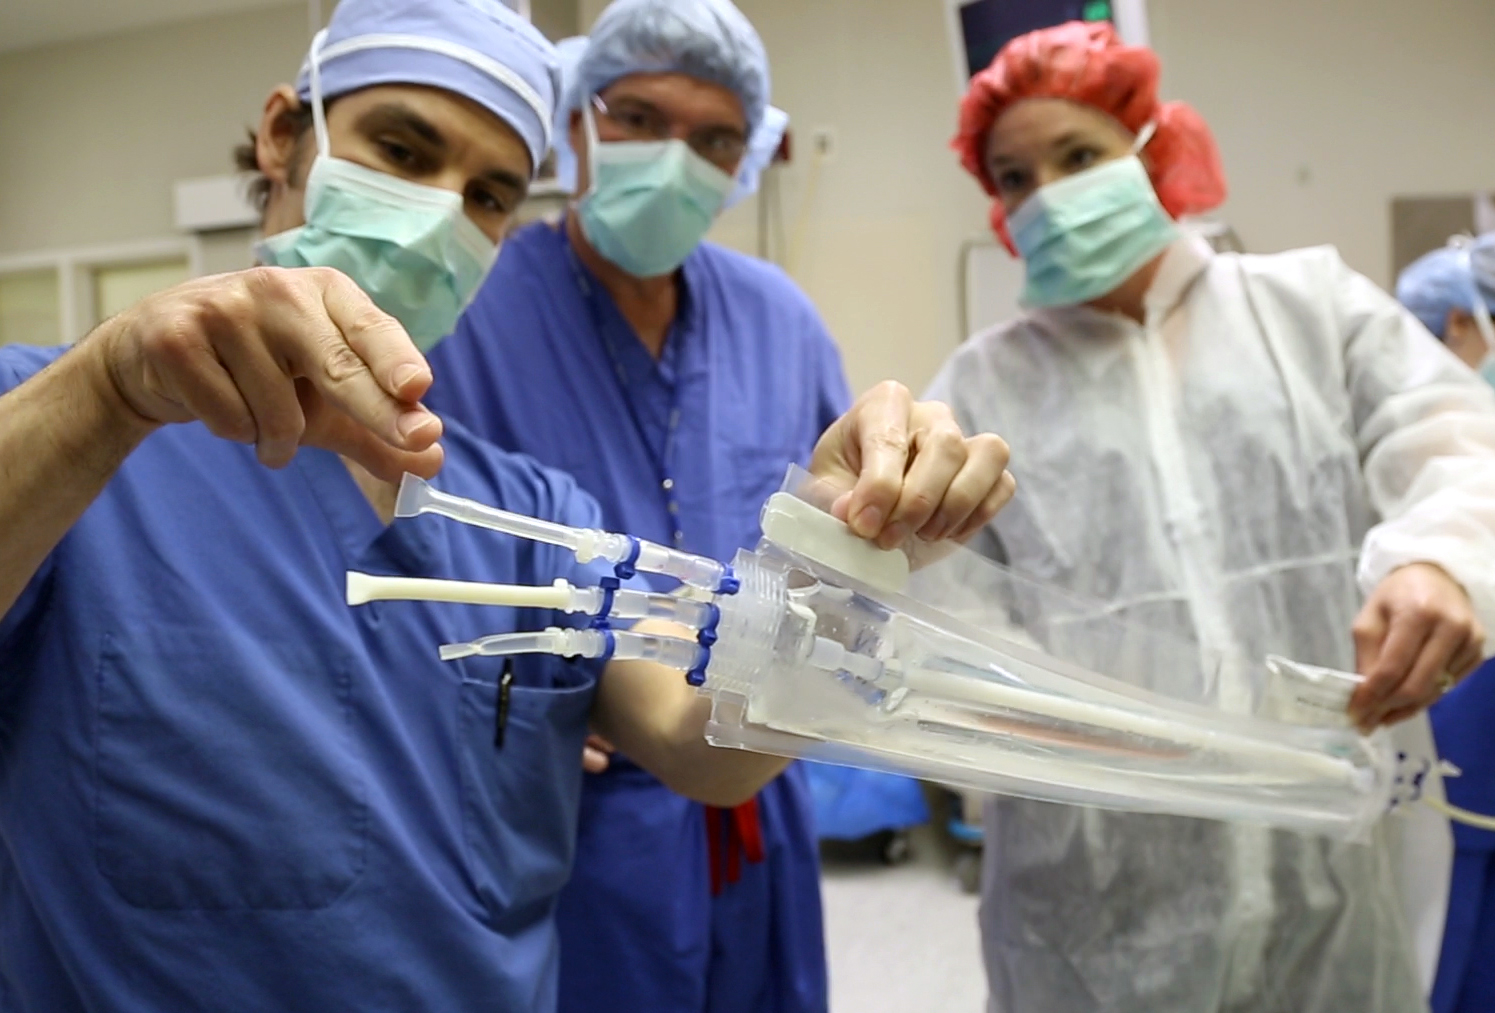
(609, 586)
(707, 639)
(707, 635)
(625, 569)
(1419, 778)
(609, 645)
(697, 676)
(729, 583)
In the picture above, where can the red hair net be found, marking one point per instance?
(1085, 62)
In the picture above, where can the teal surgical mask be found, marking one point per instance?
(410, 247)
(1083, 236)
(650, 202)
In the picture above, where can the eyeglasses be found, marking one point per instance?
(722, 146)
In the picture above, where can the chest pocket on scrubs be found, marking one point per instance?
(756, 473)
(231, 786)
(521, 785)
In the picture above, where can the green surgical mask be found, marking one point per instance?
(1085, 235)
(650, 203)
(410, 247)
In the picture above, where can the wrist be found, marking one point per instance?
(1431, 567)
(120, 417)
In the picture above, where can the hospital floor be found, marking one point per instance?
(901, 939)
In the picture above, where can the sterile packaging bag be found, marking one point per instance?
(956, 669)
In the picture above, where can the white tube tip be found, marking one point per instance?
(415, 493)
(360, 588)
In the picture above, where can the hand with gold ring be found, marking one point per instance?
(1415, 638)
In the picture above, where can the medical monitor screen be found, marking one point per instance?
(988, 25)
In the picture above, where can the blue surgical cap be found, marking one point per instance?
(1448, 279)
(570, 52)
(763, 143)
(480, 49)
(706, 39)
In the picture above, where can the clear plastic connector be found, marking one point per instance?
(613, 645)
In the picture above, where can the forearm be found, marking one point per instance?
(659, 722)
(1433, 483)
(63, 434)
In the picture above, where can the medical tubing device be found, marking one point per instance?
(607, 602)
(613, 645)
(627, 554)
(817, 644)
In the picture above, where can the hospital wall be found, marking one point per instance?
(1324, 111)
(95, 132)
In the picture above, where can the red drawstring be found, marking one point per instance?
(744, 838)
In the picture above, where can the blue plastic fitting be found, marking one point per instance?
(626, 570)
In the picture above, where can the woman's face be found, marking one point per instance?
(1038, 141)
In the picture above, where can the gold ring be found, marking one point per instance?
(1446, 682)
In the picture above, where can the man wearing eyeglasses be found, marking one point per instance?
(676, 380)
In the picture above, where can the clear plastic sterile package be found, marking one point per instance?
(959, 670)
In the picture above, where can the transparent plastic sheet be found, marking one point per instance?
(974, 675)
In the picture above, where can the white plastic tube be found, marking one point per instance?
(366, 587)
(555, 640)
(617, 645)
(562, 596)
(1264, 753)
(418, 497)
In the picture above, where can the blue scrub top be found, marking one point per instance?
(1462, 725)
(222, 788)
(691, 445)
(544, 363)
(1462, 721)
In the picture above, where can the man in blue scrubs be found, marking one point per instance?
(676, 381)
(220, 788)
(1452, 291)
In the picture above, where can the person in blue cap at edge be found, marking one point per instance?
(1452, 291)
(220, 787)
(677, 380)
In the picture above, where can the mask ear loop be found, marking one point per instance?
(318, 114)
(1143, 136)
(589, 121)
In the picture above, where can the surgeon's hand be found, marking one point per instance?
(281, 358)
(1415, 637)
(908, 469)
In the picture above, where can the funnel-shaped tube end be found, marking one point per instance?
(415, 494)
(456, 652)
(360, 587)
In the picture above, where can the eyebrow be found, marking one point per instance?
(1065, 140)
(393, 115)
(645, 105)
(503, 177)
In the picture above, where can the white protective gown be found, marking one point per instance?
(1276, 439)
